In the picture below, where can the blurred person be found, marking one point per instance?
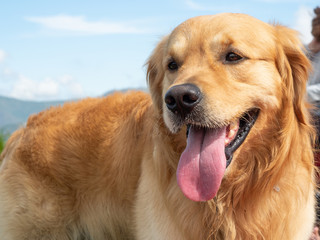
(313, 91)
(313, 88)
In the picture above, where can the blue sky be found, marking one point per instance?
(66, 49)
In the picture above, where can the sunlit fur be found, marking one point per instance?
(106, 168)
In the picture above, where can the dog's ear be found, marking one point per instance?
(294, 68)
(155, 73)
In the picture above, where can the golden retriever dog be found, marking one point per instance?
(220, 149)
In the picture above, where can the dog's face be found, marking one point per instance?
(217, 74)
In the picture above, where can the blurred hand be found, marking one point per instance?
(315, 234)
(316, 24)
(314, 46)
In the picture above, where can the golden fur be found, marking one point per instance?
(106, 168)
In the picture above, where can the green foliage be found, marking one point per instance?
(3, 137)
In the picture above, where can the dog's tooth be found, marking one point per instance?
(233, 129)
(234, 125)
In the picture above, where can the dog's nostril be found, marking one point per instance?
(170, 101)
(190, 98)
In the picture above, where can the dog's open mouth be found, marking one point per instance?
(238, 133)
(207, 155)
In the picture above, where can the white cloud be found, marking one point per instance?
(80, 25)
(17, 85)
(303, 23)
(70, 86)
(7, 71)
(66, 79)
(3, 55)
(24, 88)
(211, 7)
(47, 89)
(194, 6)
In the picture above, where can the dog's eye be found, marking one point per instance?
(233, 57)
(172, 65)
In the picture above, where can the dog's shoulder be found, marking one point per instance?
(90, 109)
(78, 128)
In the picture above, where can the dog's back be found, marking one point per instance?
(60, 170)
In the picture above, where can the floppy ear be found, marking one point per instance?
(155, 73)
(294, 68)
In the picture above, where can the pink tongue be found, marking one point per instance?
(202, 164)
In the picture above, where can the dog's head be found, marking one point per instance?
(218, 75)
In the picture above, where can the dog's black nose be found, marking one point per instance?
(181, 99)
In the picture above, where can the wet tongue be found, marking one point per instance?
(202, 164)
